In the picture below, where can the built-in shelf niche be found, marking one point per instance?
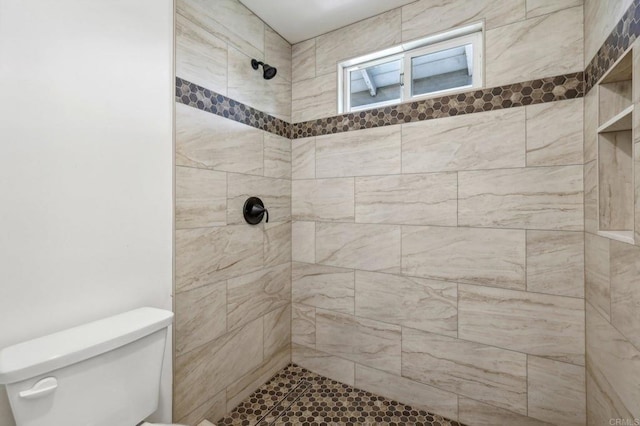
(615, 152)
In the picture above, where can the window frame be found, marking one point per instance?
(471, 34)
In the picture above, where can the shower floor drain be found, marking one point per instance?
(296, 396)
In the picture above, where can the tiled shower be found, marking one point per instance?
(445, 254)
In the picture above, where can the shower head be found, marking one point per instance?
(268, 71)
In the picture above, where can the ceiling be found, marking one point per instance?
(299, 20)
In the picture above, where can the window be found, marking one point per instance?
(445, 63)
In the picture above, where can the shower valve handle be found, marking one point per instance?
(254, 211)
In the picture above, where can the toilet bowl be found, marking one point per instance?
(104, 373)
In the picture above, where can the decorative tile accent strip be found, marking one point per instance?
(296, 396)
(550, 89)
(207, 100)
(623, 35)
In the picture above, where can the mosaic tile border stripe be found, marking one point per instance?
(207, 100)
(296, 396)
(623, 35)
(550, 89)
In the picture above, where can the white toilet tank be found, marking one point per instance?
(105, 373)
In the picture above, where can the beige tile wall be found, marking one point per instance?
(612, 268)
(442, 262)
(233, 280)
(524, 40)
(215, 42)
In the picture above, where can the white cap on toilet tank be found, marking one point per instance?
(58, 350)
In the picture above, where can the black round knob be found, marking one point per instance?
(254, 211)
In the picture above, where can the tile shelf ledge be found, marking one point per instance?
(619, 122)
(622, 236)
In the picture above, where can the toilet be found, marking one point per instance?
(104, 373)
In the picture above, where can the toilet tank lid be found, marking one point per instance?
(44, 354)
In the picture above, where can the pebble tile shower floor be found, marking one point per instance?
(296, 396)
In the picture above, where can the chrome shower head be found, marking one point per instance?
(268, 71)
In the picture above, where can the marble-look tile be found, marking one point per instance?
(314, 98)
(591, 221)
(359, 246)
(554, 133)
(239, 390)
(201, 198)
(275, 193)
(615, 170)
(602, 402)
(494, 257)
(303, 242)
(214, 408)
(207, 141)
(426, 199)
(322, 363)
(248, 86)
(613, 364)
(537, 324)
(410, 302)
(422, 18)
(613, 98)
(227, 359)
(253, 295)
(515, 52)
(303, 60)
(637, 186)
(228, 20)
(635, 95)
(555, 262)
(625, 290)
(359, 153)
(530, 198)
(600, 18)
(479, 414)
(366, 36)
(303, 158)
(488, 140)
(556, 391)
(329, 200)
(323, 287)
(543, 7)
(277, 331)
(492, 375)
(201, 58)
(418, 395)
(277, 53)
(277, 156)
(303, 325)
(277, 243)
(596, 274)
(207, 255)
(201, 316)
(364, 341)
(591, 125)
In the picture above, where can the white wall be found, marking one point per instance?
(86, 152)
